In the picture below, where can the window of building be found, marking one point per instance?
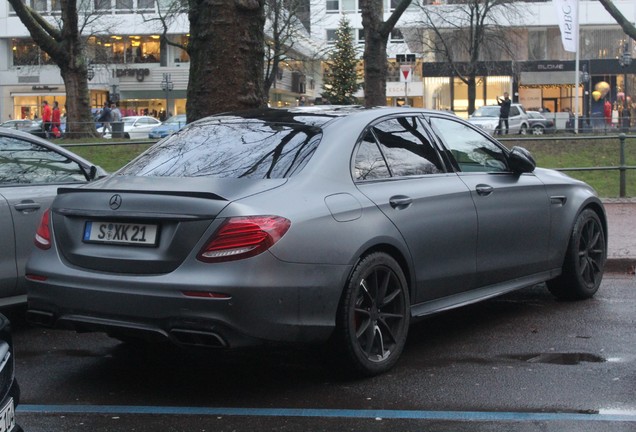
(396, 36)
(28, 53)
(361, 36)
(145, 5)
(56, 6)
(123, 6)
(331, 36)
(349, 6)
(40, 5)
(537, 45)
(101, 5)
(333, 6)
(181, 54)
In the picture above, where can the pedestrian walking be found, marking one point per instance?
(106, 117)
(56, 121)
(115, 112)
(46, 118)
(504, 112)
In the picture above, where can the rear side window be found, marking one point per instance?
(249, 148)
(406, 148)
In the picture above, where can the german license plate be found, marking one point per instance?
(120, 233)
(7, 417)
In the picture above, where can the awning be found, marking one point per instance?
(41, 93)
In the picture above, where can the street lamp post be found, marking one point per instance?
(625, 59)
(585, 79)
(167, 85)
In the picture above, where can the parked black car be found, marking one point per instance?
(539, 124)
(9, 389)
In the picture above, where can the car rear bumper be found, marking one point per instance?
(285, 303)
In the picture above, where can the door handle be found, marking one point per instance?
(400, 202)
(484, 189)
(26, 205)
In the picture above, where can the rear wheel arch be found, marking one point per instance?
(394, 253)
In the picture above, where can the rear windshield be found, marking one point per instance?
(245, 148)
(487, 111)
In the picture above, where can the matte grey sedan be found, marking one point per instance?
(311, 225)
(31, 170)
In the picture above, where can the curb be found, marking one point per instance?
(621, 265)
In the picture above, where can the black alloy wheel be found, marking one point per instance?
(374, 316)
(584, 261)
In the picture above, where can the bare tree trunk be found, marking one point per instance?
(226, 56)
(376, 35)
(79, 121)
(375, 70)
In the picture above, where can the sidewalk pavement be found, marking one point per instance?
(621, 221)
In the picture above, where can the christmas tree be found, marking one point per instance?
(341, 77)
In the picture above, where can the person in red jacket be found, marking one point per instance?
(46, 118)
(56, 118)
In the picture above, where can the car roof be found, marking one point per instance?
(315, 115)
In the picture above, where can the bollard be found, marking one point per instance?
(622, 169)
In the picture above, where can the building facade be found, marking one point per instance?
(128, 63)
(538, 73)
(131, 65)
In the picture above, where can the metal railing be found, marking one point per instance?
(622, 168)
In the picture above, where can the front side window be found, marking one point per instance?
(472, 151)
(230, 148)
(406, 148)
(23, 162)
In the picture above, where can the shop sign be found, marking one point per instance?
(138, 73)
(548, 66)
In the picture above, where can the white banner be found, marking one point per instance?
(567, 13)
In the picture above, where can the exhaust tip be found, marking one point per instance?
(198, 338)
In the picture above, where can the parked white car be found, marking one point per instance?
(135, 127)
(487, 117)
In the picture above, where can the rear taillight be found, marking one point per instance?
(43, 233)
(242, 237)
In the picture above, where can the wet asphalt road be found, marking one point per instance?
(522, 362)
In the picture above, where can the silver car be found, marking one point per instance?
(487, 118)
(311, 225)
(31, 170)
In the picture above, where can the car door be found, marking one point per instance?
(143, 126)
(400, 170)
(8, 269)
(515, 119)
(513, 209)
(30, 174)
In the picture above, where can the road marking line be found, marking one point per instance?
(627, 416)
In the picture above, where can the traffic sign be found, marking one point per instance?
(406, 74)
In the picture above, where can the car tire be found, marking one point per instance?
(584, 260)
(523, 130)
(127, 135)
(537, 130)
(373, 316)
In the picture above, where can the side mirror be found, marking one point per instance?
(521, 161)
